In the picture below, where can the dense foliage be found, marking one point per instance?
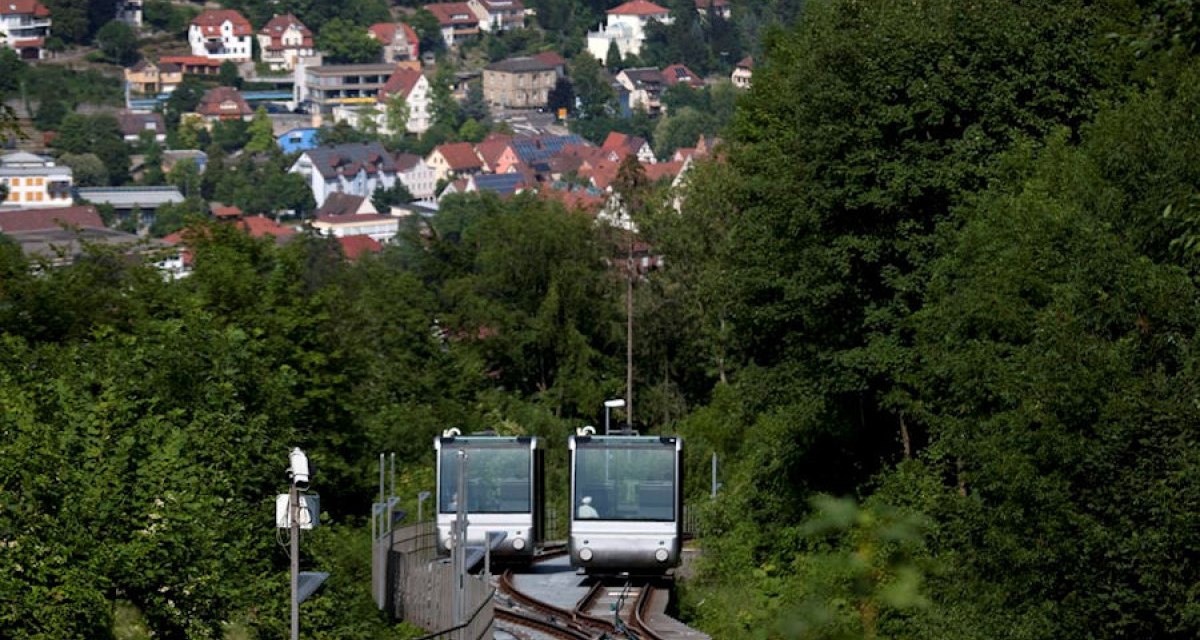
(932, 303)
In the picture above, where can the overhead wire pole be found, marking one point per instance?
(629, 340)
(294, 518)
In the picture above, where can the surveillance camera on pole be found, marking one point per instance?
(298, 470)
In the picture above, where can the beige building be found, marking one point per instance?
(149, 78)
(519, 83)
(34, 181)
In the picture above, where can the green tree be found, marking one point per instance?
(383, 199)
(429, 32)
(591, 87)
(612, 59)
(229, 76)
(345, 43)
(87, 170)
(118, 43)
(261, 134)
(396, 114)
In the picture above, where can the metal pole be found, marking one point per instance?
(606, 410)
(460, 542)
(629, 342)
(388, 500)
(294, 517)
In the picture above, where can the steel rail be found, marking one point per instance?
(538, 624)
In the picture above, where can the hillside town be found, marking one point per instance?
(341, 128)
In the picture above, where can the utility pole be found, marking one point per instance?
(294, 517)
(629, 339)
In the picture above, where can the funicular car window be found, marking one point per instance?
(498, 479)
(625, 483)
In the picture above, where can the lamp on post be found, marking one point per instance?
(298, 474)
(296, 510)
(609, 405)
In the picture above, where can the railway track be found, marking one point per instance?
(635, 610)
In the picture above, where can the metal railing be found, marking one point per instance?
(413, 583)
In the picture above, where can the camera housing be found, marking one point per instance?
(298, 469)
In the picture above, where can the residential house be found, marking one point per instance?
(345, 215)
(626, 27)
(172, 157)
(323, 87)
(417, 176)
(497, 153)
(518, 83)
(714, 7)
(221, 34)
(356, 169)
(400, 41)
(742, 73)
(344, 204)
(457, 20)
(679, 74)
(283, 40)
(416, 91)
(24, 27)
(134, 125)
(645, 86)
(151, 78)
(380, 227)
(34, 181)
(553, 59)
(195, 65)
(454, 160)
(223, 103)
(129, 12)
(499, 15)
(621, 145)
(298, 139)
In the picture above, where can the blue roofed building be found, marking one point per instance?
(299, 139)
(504, 184)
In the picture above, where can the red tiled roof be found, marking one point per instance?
(453, 13)
(221, 211)
(191, 61)
(353, 218)
(32, 42)
(277, 26)
(660, 170)
(262, 226)
(746, 63)
(355, 246)
(492, 148)
(384, 32)
(23, 8)
(210, 22)
(85, 217)
(223, 101)
(637, 8)
(402, 81)
(550, 58)
(575, 199)
(459, 156)
(676, 73)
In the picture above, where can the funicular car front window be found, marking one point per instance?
(625, 483)
(498, 480)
